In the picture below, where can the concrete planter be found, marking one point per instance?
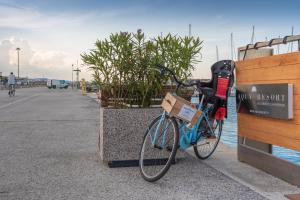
(121, 134)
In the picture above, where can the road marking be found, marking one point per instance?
(19, 100)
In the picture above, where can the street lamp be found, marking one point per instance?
(72, 76)
(77, 77)
(18, 50)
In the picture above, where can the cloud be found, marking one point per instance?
(18, 16)
(49, 59)
(32, 63)
(60, 35)
(26, 52)
(13, 16)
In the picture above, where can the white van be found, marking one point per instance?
(52, 83)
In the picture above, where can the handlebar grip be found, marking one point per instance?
(159, 66)
(162, 69)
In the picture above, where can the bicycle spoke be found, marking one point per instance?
(156, 159)
(208, 140)
(159, 135)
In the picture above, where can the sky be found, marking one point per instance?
(53, 33)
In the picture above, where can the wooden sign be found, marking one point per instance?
(266, 100)
(284, 68)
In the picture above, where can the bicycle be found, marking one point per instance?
(168, 133)
(11, 90)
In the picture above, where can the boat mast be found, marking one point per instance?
(231, 45)
(217, 52)
(252, 36)
(292, 42)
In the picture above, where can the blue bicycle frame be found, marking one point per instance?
(187, 135)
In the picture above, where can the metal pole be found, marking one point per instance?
(77, 76)
(18, 65)
(292, 42)
(231, 45)
(252, 36)
(217, 52)
(18, 50)
(72, 77)
(77, 84)
(278, 47)
(190, 30)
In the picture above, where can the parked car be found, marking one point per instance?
(91, 88)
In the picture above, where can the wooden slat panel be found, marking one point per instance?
(293, 196)
(295, 82)
(269, 138)
(288, 72)
(295, 121)
(283, 68)
(277, 60)
(288, 128)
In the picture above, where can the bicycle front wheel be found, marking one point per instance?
(159, 148)
(209, 136)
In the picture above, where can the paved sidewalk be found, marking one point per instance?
(225, 160)
(48, 150)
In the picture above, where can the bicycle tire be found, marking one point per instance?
(144, 162)
(200, 152)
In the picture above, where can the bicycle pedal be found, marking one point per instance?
(158, 147)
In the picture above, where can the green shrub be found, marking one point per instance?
(122, 65)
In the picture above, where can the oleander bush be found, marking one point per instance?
(122, 65)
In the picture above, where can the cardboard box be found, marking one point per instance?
(180, 108)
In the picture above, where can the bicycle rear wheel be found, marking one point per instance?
(158, 150)
(208, 138)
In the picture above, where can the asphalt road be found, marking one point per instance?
(48, 150)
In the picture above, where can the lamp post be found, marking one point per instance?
(72, 77)
(18, 50)
(77, 77)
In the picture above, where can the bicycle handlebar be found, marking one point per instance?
(163, 69)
